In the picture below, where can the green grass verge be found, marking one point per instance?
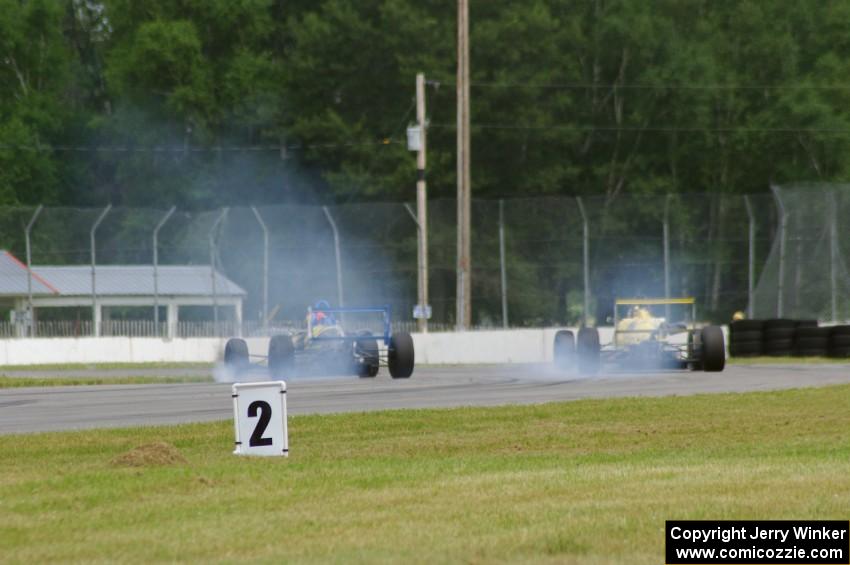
(19, 382)
(787, 360)
(586, 481)
(84, 366)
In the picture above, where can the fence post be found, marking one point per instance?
(666, 243)
(212, 267)
(798, 260)
(833, 256)
(783, 221)
(502, 264)
(95, 311)
(156, 268)
(265, 267)
(585, 259)
(421, 264)
(336, 253)
(751, 260)
(30, 311)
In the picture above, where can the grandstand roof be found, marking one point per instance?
(111, 280)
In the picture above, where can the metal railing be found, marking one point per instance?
(188, 329)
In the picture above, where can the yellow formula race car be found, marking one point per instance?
(649, 333)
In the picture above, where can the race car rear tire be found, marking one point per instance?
(400, 355)
(564, 349)
(587, 347)
(693, 347)
(713, 349)
(368, 349)
(236, 352)
(281, 357)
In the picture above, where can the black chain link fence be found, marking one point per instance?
(713, 247)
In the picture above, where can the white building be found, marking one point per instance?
(115, 286)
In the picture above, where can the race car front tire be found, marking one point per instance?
(281, 357)
(400, 355)
(713, 349)
(236, 353)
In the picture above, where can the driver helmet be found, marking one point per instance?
(319, 316)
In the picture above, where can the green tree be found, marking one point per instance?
(35, 73)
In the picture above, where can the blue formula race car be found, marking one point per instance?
(337, 341)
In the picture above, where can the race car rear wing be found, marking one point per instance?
(385, 312)
(653, 301)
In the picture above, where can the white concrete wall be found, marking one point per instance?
(497, 346)
(34, 351)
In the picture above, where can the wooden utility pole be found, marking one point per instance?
(464, 273)
(421, 204)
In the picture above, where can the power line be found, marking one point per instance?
(677, 129)
(647, 86)
(403, 121)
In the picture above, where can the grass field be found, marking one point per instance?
(18, 382)
(588, 481)
(100, 366)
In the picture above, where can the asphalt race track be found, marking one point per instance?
(76, 407)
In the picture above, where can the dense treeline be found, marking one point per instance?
(202, 103)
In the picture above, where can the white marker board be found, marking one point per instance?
(259, 417)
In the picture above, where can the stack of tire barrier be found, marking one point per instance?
(779, 337)
(746, 338)
(800, 338)
(810, 340)
(839, 341)
(782, 337)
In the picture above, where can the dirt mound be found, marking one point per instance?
(151, 454)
